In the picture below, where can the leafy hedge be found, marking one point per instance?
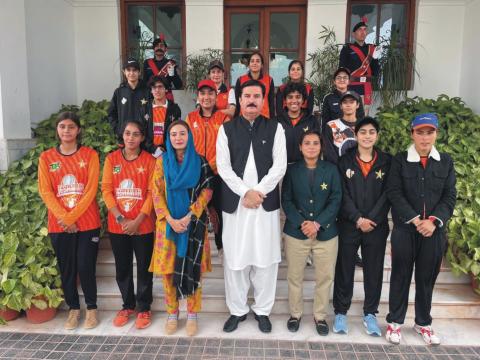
(27, 263)
(459, 136)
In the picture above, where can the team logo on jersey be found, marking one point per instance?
(116, 169)
(82, 164)
(379, 174)
(349, 173)
(128, 195)
(70, 191)
(124, 101)
(54, 166)
(143, 102)
(324, 186)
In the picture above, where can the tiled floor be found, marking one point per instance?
(46, 346)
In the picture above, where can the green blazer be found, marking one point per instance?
(320, 203)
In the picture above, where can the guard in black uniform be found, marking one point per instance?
(363, 223)
(421, 188)
(159, 65)
(362, 61)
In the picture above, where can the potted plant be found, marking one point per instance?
(197, 66)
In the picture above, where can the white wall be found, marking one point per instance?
(470, 76)
(438, 47)
(97, 48)
(15, 108)
(50, 56)
(204, 24)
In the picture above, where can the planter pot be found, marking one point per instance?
(475, 284)
(38, 316)
(9, 314)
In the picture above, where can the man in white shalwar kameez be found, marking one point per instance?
(251, 160)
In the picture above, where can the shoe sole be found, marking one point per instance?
(371, 333)
(342, 332)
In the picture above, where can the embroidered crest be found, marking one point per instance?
(116, 169)
(128, 195)
(324, 186)
(54, 166)
(124, 101)
(70, 191)
(349, 173)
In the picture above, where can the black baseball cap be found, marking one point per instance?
(216, 64)
(131, 62)
(359, 25)
(341, 69)
(365, 121)
(351, 94)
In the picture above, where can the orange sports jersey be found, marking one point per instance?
(265, 80)
(159, 113)
(222, 99)
(68, 186)
(125, 184)
(205, 131)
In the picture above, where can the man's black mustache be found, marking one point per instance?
(252, 105)
(159, 51)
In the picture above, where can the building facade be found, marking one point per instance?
(55, 52)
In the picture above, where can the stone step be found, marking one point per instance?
(106, 267)
(449, 301)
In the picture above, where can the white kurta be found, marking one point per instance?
(251, 236)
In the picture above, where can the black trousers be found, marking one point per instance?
(77, 254)
(372, 245)
(123, 247)
(411, 249)
(216, 202)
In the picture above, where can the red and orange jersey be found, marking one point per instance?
(159, 114)
(205, 131)
(125, 184)
(68, 186)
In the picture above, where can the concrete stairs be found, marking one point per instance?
(453, 297)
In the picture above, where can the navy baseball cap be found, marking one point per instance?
(350, 94)
(131, 62)
(428, 119)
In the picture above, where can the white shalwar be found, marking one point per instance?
(251, 237)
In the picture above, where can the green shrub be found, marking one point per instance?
(459, 136)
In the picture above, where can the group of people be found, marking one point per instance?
(229, 167)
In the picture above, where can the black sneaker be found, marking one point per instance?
(293, 324)
(264, 323)
(232, 323)
(322, 327)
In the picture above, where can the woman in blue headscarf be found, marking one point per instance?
(181, 190)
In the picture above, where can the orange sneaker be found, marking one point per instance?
(143, 320)
(122, 317)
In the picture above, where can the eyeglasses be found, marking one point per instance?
(340, 78)
(158, 87)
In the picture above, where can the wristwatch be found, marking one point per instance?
(119, 218)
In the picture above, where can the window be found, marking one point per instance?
(142, 21)
(278, 32)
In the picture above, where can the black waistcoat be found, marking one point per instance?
(241, 135)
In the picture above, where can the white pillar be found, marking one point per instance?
(15, 134)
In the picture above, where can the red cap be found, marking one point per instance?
(207, 83)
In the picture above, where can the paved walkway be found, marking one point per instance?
(83, 347)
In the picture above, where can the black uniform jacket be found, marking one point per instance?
(414, 191)
(364, 196)
(128, 104)
(293, 133)
(173, 113)
(174, 82)
(331, 108)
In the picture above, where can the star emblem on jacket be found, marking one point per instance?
(324, 186)
(143, 101)
(305, 129)
(141, 170)
(82, 164)
(349, 173)
(379, 174)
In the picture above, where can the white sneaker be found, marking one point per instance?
(393, 334)
(427, 334)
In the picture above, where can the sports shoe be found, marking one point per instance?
(122, 317)
(192, 326)
(370, 323)
(393, 334)
(91, 319)
(72, 320)
(143, 319)
(427, 334)
(340, 325)
(171, 324)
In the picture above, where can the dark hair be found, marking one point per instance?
(68, 115)
(252, 82)
(158, 41)
(259, 55)
(365, 121)
(178, 122)
(292, 87)
(296, 61)
(155, 79)
(312, 132)
(138, 124)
